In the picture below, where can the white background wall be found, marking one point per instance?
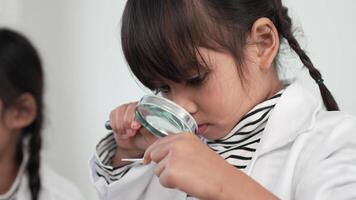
(86, 74)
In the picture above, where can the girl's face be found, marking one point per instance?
(221, 100)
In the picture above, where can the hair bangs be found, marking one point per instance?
(161, 40)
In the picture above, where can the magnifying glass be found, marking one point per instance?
(162, 117)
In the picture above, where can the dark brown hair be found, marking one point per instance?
(161, 38)
(21, 72)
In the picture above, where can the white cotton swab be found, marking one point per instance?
(132, 159)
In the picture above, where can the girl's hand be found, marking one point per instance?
(185, 163)
(131, 138)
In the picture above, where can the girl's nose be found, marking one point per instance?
(188, 104)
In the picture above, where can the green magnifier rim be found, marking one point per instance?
(168, 113)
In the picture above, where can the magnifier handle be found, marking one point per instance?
(107, 125)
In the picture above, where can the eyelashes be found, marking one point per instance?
(195, 81)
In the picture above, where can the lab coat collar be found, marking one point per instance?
(294, 114)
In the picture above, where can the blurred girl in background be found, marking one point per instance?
(23, 175)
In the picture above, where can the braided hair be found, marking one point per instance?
(21, 72)
(283, 24)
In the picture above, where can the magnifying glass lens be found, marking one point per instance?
(163, 117)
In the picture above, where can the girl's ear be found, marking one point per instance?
(22, 113)
(265, 36)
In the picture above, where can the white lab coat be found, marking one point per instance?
(305, 153)
(54, 186)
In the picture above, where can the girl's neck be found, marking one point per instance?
(276, 87)
(276, 84)
(8, 168)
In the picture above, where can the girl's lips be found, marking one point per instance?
(202, 128)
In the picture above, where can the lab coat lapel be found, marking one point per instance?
(294, 114)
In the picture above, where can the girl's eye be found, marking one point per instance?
(163, 89)
(197, 80)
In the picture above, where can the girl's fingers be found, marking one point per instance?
(119, 118)
(158, 153)
(147, 155)
(135, 124)
(128, 117)
(158, 150)
(165, 175)
(160, 167)
(113, 121)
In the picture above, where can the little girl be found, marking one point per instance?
(265, 138)
(23, 176)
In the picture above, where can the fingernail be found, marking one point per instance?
(135, 124)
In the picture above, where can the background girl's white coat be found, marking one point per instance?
(87, 75)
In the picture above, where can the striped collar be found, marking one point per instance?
(239, 145)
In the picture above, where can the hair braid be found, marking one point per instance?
(34, 148)
(284, 26)
(33, 166)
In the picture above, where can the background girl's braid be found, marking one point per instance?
(33, 166)
(34, 148)
(284, 26)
